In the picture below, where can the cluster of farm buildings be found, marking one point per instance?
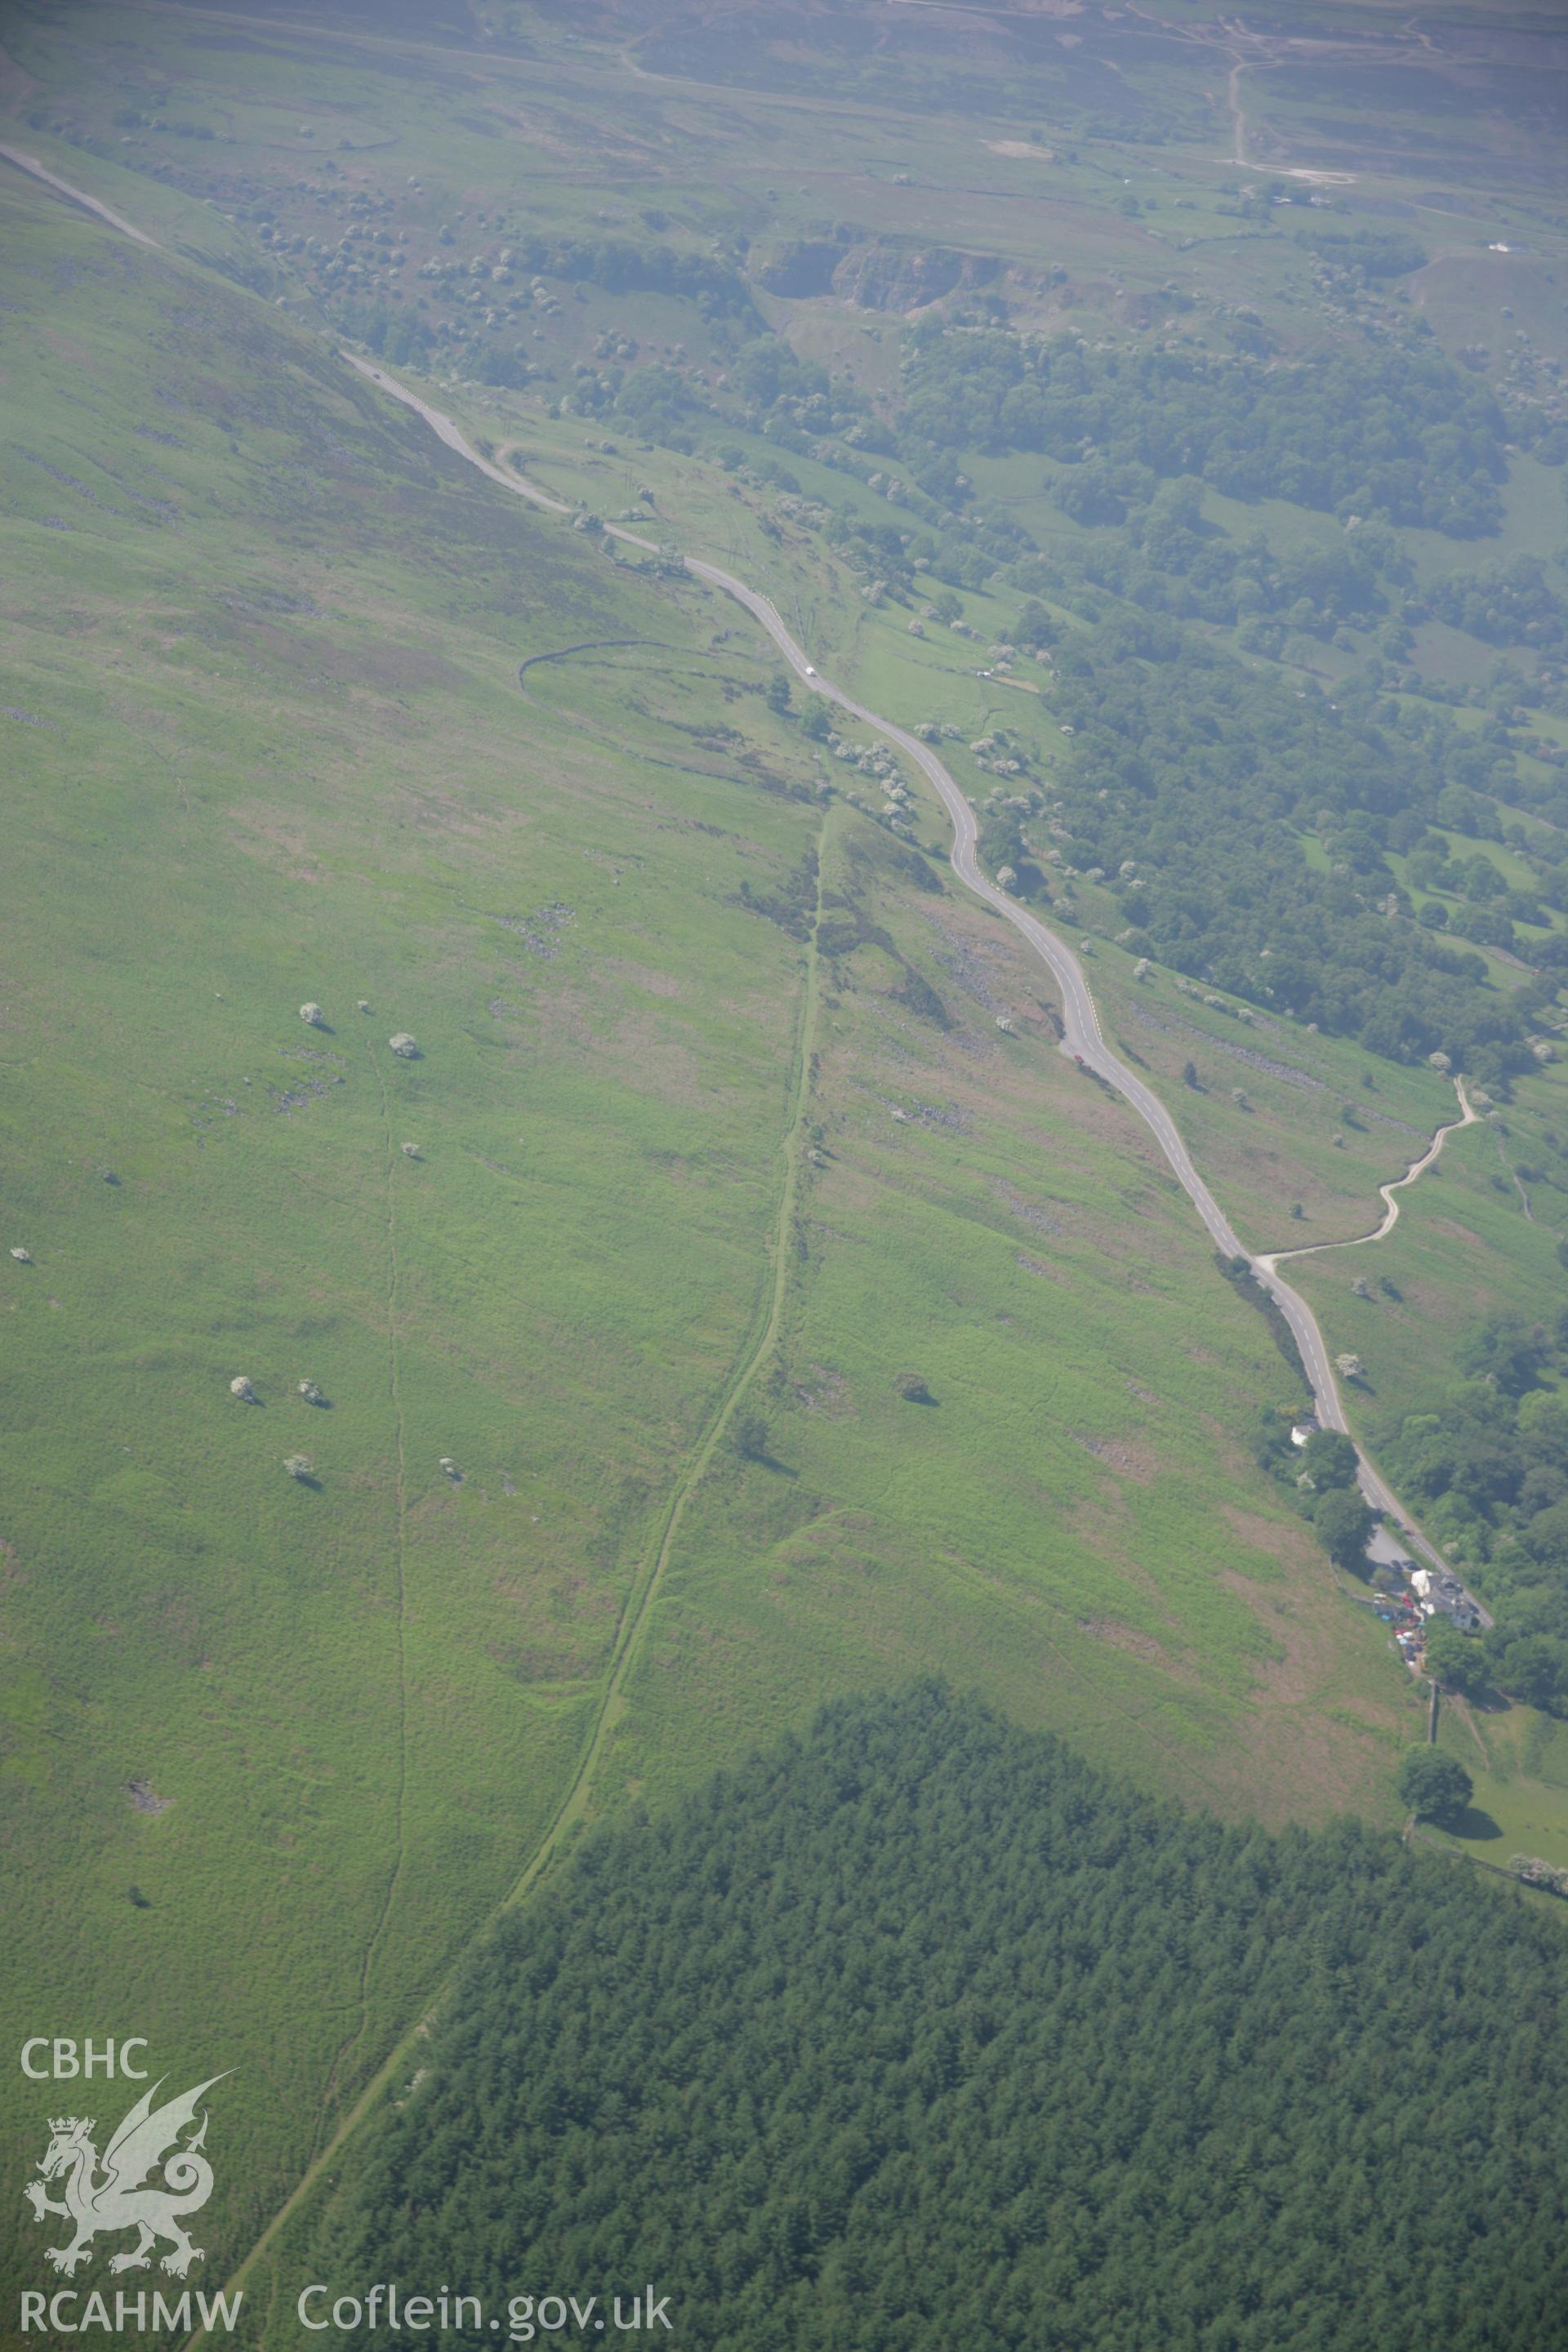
(1424, 1594)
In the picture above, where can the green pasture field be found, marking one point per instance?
(1279, 1145)
(1070, 1486)
(465, 141)
(1463, 1248)
(1518, 1759)
(1472, 1240)
(1512, 869)
(1534, 520)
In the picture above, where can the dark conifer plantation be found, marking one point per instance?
(917, 2032)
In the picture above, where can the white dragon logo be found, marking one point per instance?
(119, 2200)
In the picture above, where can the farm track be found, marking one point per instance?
(1238, 119)
(1390, 1206)
(400, 1556)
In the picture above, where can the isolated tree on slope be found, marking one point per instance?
(1344, 1524)
(1431, 1784)
(750, 1434)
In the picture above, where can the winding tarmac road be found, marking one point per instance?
(38, 170)
(1081, 1034)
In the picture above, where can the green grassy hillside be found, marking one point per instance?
(269, 750)
(722, 1310)
(302, 1734)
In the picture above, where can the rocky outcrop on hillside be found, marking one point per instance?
(889, 278)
